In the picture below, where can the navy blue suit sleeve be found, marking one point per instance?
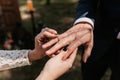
(86, 8)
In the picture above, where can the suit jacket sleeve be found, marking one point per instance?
(86, 8)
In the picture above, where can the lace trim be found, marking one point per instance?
(13, 59)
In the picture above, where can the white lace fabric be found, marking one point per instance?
(13, 58)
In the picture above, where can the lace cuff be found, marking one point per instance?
(13, 58)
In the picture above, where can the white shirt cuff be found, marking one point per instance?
(118, 36)
(84, 19)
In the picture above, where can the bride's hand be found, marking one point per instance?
(38, 52)
(55, 66)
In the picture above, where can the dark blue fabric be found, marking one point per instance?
(105, 53)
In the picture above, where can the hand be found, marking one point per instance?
(55, 67)
(80, 34)
(38, 52)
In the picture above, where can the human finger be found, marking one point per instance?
(53, 41)
(61, 36)
(50, 43)
(52, 55)
(60, 44)
(82, 38)
(44, 37)
(73, 55)
(48, 34)
(61, 54)
(51, 31)
(56, 53)
(88, 49)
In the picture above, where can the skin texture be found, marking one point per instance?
(38, 52)
(80, 34)
(55, 66)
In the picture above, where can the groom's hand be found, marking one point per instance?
(80, 34)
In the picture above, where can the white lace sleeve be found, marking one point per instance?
(13, 58)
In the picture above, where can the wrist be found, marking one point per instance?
(85, 25)
(32, 55)
(85, 19)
